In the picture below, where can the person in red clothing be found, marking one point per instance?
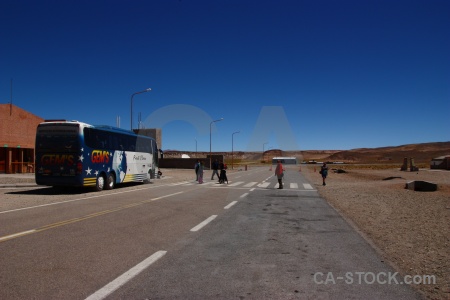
(279, 172)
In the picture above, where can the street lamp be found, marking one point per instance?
(210, 163)
(131, 110)
(232, 150)
(263, 151)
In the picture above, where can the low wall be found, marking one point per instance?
(186, 163)
(178, 163)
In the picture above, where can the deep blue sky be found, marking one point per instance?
(321, 74)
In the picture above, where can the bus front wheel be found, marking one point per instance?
(100, 183)
(110, 182)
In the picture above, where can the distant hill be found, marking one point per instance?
(422, 153)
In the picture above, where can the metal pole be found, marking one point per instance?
(263, 151)
(232, 150)
(131, 109)
(210, 161)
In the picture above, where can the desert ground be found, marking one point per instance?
(410, 229)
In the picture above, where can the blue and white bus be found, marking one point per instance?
(72, 153)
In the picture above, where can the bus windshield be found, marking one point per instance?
(58, 138)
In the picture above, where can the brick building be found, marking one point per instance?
(17, 139)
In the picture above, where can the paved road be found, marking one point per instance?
(244, 240)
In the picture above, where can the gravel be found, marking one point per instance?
(409, 229)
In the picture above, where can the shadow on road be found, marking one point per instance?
(46, 191)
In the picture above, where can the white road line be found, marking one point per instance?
(125, 277)
(243, 195)
(11, 236)
(71, 221)
(250, 184)
(293, 185)
(180, 183)
(236, 183)
(230, 205)
(165, 196)
(80, 199)
(204, 223)
(251, 190)
(307, 186)
(264, 184)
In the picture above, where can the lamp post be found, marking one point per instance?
(263, 151)
(210, 163)
(232, 149)
(131, 110)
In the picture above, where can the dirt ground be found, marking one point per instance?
(410, 229)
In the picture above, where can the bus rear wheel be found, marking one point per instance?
(149, 176)
(100, 183)
(110, 182)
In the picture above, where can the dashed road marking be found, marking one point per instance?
(126, 277)
(230, 205)
(204, 223)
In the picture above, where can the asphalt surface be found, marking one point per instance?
(183, 240)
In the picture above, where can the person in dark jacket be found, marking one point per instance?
(215, 168)
(223, 173)
(196, 166)
(324, 173)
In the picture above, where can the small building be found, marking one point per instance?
(17, 139)
(285, 160)
(441, 162)
(155, 133)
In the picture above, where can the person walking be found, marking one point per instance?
(223, 173)
(215, 168)
(196, 166)
(200, 172)
(324, 173)
(279, 172)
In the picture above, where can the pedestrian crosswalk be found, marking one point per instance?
(243, 184)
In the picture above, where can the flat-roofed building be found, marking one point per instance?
(285, 160)
(441, 162)
(17, 139)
